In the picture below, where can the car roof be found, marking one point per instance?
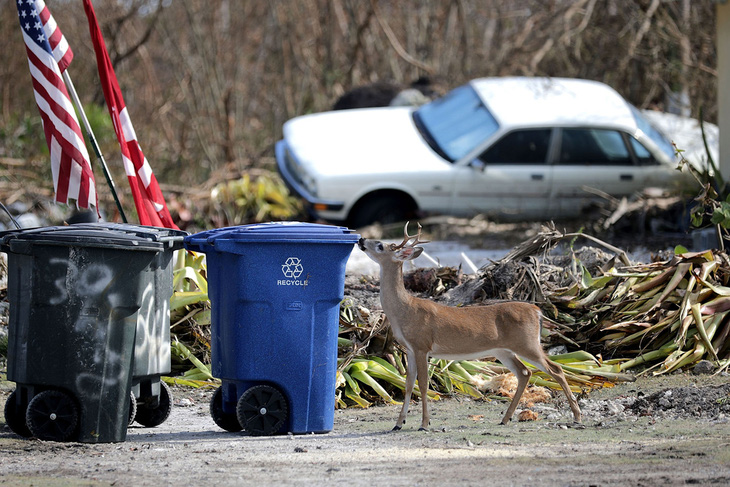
(536, 101)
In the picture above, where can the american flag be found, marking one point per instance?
(151, 207)
(48, 56)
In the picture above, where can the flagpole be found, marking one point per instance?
(94, 144)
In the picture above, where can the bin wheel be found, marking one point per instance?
(151, 416)
(15, 415)
(227, 421)
(132, 408)
(262, 410)
(52, 415)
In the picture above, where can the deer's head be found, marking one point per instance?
(383, 253)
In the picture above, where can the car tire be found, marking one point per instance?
(385, 209)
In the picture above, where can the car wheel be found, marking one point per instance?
(384, 209)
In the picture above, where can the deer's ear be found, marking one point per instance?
(408, 253)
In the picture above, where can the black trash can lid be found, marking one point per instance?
(274, 232)
(97, 235)
(171, 238)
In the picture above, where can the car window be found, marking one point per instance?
(519, 147)
(641, 152)
(655, 135)
(457, 122)
(593, 146)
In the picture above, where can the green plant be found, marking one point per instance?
(248, 200)
(190, 318)
(712, 204)
(22, 137)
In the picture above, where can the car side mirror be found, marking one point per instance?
(478, 165)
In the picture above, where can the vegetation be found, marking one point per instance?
(247, 200)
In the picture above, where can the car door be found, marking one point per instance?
(510, 179)
(592, 161)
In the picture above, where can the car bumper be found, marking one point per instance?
(318, 208)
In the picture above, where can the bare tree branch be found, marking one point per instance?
(394, 41)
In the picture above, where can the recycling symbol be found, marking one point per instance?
(292, 268)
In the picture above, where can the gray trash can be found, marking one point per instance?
(153, 398)
(74, 294)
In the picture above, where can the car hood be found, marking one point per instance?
(360, 141)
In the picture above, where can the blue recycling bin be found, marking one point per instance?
(275, 291)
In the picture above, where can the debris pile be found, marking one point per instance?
(667, 314)
(615, 317)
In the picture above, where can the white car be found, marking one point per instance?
(512, 148)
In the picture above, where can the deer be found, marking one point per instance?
(505, 330)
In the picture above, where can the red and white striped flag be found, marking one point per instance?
(151, 207)
(48, 56)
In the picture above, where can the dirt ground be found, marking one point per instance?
(657, 431)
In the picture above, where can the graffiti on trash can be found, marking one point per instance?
(93, 385)
(292, 270)
(152, 349)
(92, 281)
(89, 286)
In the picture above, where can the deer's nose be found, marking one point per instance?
(361, 244)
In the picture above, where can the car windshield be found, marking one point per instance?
(456, 123)
(651, 132)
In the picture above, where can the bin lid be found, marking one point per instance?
(275, 232)
(98, 235)
(171, 238)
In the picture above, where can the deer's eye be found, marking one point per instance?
(380, 247)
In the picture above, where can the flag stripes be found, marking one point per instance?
(48, 55)
(62, 53)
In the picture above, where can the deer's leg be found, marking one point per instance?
(556, 372)
(521, 372)
(422, 366)
(411, 373)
